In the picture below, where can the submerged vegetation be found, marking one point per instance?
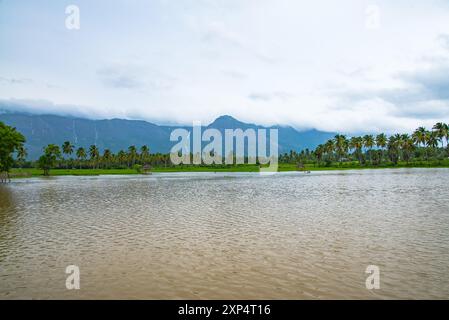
(423, 148)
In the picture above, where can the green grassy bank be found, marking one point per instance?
(356, 166)
(32, 172)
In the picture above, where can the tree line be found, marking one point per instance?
(67, 156)
(421, 145)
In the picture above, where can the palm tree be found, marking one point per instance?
(399, 147)
(352, 143)
(144, 154)
(399, 137)
(132, 155)
(407, 145)
(291, 156)
(81, 155)
(122, 157)
(67, 149)
(341, 146)
(447, 137)
(21, 154)
(419, 136)
(381, 143)
(165, 159)
(356, 144)
(393, 148)
(94, 154)
(319, 152)
(442, 131)
(368, 142)
(432, 139)
(107, 155)
(329, 148)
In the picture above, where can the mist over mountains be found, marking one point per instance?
(118, 134)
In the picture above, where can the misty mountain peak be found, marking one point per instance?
(227, 121)
(119, 134)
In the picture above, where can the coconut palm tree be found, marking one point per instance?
(407, 146)
(432, 139)
(67, 149)
(122, 157)
(165, 159)
(393, 148)
(144, 154)
(319, 153)
(399, 139)
(368, 143)
(381, 143)
(107, 156)
(419, 136)
(442, 131)
(352, 144)
(81, 155)
(356, 144)
(94, 155)
(21, 155)
(381, 140)
(329, 148)
(132, 155)
(447, 137)
(341, 146)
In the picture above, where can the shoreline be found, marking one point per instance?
(17, 173)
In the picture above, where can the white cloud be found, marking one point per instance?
(308, 64)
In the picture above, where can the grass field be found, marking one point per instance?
(28, 172)
(356, 166)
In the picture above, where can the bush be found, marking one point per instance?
(138, 168)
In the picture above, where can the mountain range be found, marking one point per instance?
(118, 134)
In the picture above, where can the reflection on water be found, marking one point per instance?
(206, 235)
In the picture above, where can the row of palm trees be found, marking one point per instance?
(93, 158)
(422, 143)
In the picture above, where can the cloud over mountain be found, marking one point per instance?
(310, 65)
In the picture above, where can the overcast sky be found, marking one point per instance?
(348, 66)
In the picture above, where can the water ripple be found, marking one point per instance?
(227, 235)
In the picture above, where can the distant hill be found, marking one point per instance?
(119, 134)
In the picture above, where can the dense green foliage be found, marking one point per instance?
(423, 148)
(49, 158)
(379, 150)
(10, 141)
